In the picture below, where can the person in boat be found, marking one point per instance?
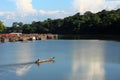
(38, 59)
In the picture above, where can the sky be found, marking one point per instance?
(27, 11)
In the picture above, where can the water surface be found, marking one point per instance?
(75, 60)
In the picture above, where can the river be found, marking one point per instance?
(74, 60)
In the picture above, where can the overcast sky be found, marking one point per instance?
(27, 11)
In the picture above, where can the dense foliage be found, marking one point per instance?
(104, 22)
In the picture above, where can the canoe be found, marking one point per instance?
(45, 60)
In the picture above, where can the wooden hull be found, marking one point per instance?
(46, 60)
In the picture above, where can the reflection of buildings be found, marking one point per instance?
(23, 55)
(88, 60)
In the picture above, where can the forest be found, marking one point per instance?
(103, 22)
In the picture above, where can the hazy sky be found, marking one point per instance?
(27, 11)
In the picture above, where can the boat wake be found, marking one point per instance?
(18, 68)
(17, 64)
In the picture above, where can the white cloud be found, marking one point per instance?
(26, 13)
(54, 14)
(1, 13)
(94, 5)
(50, 12)
(24, 6)
(9, 17)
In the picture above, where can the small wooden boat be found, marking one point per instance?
(45, 60)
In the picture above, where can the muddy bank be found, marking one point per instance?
(26, 37)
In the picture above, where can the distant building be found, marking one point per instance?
(16, 33)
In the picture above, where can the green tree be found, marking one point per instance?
(2, 27)
(26, 28)
(20, 24)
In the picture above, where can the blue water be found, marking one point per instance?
(74, 60)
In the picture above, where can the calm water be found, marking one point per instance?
(75, 60)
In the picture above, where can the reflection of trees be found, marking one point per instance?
(88, 61)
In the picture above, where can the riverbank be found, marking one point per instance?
(26, 37)
(30, 37)
(90, 37)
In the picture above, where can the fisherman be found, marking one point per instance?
(38, 59)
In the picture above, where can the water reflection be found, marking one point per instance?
(6, 71)
(23, 70)
(88, 61)
(23, 58)
(24, 54)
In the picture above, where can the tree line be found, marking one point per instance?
(104, 22)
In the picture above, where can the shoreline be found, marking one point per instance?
(90, 37)
(30, 37)
(26, 37)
